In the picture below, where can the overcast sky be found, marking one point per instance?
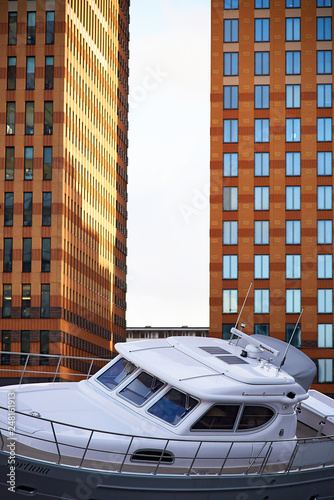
(168, 225)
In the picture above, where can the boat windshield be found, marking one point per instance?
(173, 406)
(118, 372)
(141, 389)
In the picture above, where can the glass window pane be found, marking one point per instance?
(10, 118)
(324, 162)
(30, 77)
(261, 63)
(27, 209)
(26, 300)
(48, 118)
(46, 255)
(293, 266)
(261, 164)
(11, 73)
(230, 301)
(50, 27)
(7, 301)
(45, 301)
(141, 389)
(230, 267)
(325, 335)
(28, 163)
(173, 406)
(49, 72)
(9, 204)
(118, 372)
(29, 127)
(292, 163)
(31, 28)
(230, 198)
(219, 417)
(26, 255)
(325, 266)
(46, 209)
(47, 163)
(8, 255)
(292, 62)
(230, 161)
(9, 167)
(261, 301)
(12, 28)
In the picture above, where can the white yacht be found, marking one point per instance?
(183, 418)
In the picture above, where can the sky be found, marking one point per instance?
(169, 131)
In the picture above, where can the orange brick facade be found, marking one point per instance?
(70, 59)
(271, 143)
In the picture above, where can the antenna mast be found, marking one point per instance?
(243, 305)
(288, 346)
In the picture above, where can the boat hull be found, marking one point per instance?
(47, 481)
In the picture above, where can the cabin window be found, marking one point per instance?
(219, 417)
(141, 389)
(173, 406)
(232, 418)
(254, 416)
(118, 372)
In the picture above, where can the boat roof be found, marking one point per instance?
(203, 364)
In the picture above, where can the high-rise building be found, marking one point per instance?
(272, 173)
(63, 176)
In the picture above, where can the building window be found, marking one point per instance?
(290, 329)
(293, 300)
(6, 338)
(7, 255)
(231, 30)
(9, 204)
(230, 301)
(230, 267)
(46, 209)
(293, 267)
(30, 76)
(292, 232)
(292, 96)
(28, 163)
(26, 300)
(10, 118)
(324, 62)
(49, 72)
(44, 346)
(261, 96)
(292, 62)
(292, 164)
(230, 97)
(261, 130)
(227, 330)
(324, 3)
(324, 162)
(292, 29)
(325, 370)
(324, 129)
(324, 197)
(325, 266)
(324, 28)
(31, 28)
(261, 198)
(261, 4)
(231, 63)
(46, 255)
(325, 335)
(47, 163)
(292, 4)
(26, 255)
(261, 267)
(325, 301)
(230, 232)
(324, 95)
(29, 125)
(50, 28)
(9, 166)
(230, 130)
(230, 198)
(292, 129)
(325, 232)
(261, 232)
(11, 73)
(48, 118)
(231, 4)
(45, 301)
(7, 301)
(12, 28)
(27, 209)
(25, 345)
(292, 198)
(261, 301)
(261, 29)
(261, 164)
(230, 162)
(261, 63)
(261, 329)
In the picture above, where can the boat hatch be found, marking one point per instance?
(118, 372)
(234, 418)
(153, 456)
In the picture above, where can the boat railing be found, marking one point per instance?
(48, 366)
(53, 442)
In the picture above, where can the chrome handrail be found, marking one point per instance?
(159, 467)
